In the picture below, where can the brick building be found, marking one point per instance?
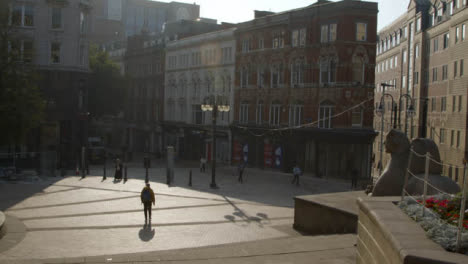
(423, 54)
(305, 66)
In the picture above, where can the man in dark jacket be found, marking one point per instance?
(147, 198)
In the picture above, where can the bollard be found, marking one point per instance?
(146, 175)
(104, 171)
(190, 178)
(125, 172)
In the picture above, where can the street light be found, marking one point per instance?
(409, 111)
(214, 104)
(380, 111)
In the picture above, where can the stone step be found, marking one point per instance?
(300, 249)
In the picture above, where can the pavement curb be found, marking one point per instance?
(14, 232)
(2, 223)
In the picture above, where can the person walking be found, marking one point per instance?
(202, 164)
(241, 172)
(147, 198)
(118, 170)
(354, 178)
(296, 172)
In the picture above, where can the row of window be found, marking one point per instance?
(328, 33)
(198, 116)
(458, 71)
(460, 35)
(457, 103)
(143, 69)
(22, 15)
(179, 89)
(450, 7)
(392, 40)
(388, 64)
(23, 50)
(328, 69)
(295, 115)
(211, 56)
(455, 136)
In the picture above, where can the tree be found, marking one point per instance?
(106, 92)
(21, 103)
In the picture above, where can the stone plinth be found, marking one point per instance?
(334, 213)
(2, 223)
(388, 235)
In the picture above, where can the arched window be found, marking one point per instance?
(244, 112)
(209, 82)
(327, 70)
(275, 113)
(325, 114)
(259, 113)
(296, 112)
(358, 69)
(297, 72)
(196, 84)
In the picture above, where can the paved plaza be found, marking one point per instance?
(71, 217)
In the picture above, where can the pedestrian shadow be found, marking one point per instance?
(146, 233)
(117, 180)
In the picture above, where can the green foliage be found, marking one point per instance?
(106, 91)
(21, 104)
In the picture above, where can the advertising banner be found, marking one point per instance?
(278, 157)
(267, 155)
(237, 152)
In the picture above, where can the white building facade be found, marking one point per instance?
(197, 68)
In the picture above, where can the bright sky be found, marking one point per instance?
(235, 11)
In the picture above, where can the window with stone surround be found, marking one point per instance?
(22, 15)
(275, 113)
(57, 22)
(296, 114)
(244, 113)
(55, 52)
(259, 113)
(361, 31)
(328, 33)
(325, 115)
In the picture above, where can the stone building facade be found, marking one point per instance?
(309, 73)
(423, 54)
(198, 67)
(144, 65)
(53, 35)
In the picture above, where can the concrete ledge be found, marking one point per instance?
(2, 223)
(334, 213)
(387, 235)
(14, 232)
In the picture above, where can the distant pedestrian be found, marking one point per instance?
(296, 173)
(147, 198)
(118, 170)
(241, 172)
(354, 178)
(202, 164)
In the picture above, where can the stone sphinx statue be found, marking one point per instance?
(391, 182)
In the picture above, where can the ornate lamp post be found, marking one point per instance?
(214, 104)
(409, 111)
(380, 111)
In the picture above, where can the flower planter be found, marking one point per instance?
(387, 235)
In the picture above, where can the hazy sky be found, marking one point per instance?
(242, 10)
